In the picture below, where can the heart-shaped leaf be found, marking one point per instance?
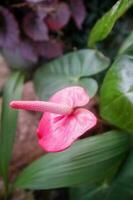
(71, 69)
(88, 161)
(90, 85)
(117, 93)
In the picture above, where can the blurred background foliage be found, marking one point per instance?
(25, 46)
(37, 31)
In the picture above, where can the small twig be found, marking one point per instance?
(41, 8)
(19, 5)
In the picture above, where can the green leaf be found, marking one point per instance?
(69, 70)
(121, 187)
(13, 90)
(128, 42)
(90, 85)
(89, 193)
(89, 161)
(116, 99)
(103, 26)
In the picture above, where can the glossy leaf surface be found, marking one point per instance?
(117, 93)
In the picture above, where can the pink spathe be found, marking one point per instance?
(64, 119)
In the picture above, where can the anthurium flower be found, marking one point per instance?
(64, 118)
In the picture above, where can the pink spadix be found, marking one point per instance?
(64, 119)
(42, 106)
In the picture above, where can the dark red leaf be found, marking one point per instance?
(35, 27)
(9, 30)
(58, 18)
(78, 12)
(49, 49)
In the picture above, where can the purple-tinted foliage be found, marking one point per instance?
(46, 7)
(78, 12)
(26, 28)
(28, 51)
(49, 49)
(35, 27)
(23, 56)
(41, 13)
(9, 30)
(57, 19)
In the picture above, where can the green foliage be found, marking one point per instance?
(96, 165)
(89, 193)
(117, 93)
(90, 160)
(103, 26)
(121, 188)
(12, 91)
(127, 43)
(71, 69)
